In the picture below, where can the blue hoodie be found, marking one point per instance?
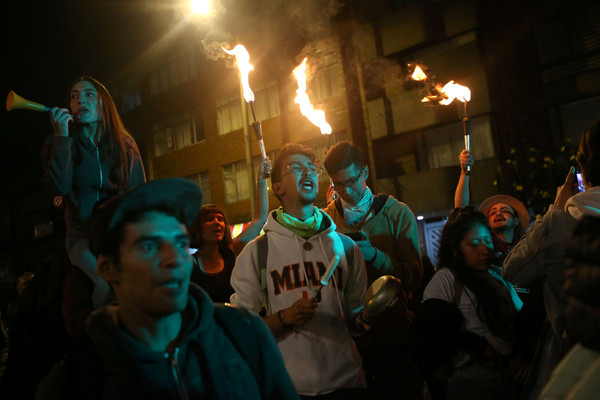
(204, 362)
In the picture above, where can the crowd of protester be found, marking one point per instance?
(333, 303)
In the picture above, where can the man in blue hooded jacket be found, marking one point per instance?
(164, 338)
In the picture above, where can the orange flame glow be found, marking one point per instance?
(317, 117)
(242, 60)
(453, 91)
(446, 95)
(418, 74)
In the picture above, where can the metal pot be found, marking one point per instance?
(382, 293)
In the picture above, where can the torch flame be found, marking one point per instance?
(317, 117)
(446, 95)
(453, 91)
(418, 74)
(242, 60)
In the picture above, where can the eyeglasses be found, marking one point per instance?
(349, 183)
(301, 169)
(503, 211)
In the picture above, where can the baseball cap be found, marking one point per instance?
(182, 196)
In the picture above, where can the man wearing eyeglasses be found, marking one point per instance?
(385, 230)
(312, 330)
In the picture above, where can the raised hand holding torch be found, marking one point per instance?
(445, 95)
(242, 60)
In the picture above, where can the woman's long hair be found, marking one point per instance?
(195, 231)
(119, 146)
(492, 307)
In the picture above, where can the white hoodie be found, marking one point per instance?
(320, 355)
(584, 203)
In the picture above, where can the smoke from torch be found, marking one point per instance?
(317, 117)
(242, 60)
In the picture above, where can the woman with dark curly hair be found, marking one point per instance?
(211, 235)
(488, 304)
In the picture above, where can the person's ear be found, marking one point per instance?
(107, 269)
(277, 188)
(366, 172)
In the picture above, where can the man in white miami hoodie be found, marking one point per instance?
(539, 255)
(313, 336)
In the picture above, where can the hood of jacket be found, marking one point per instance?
(114, 343)
(327, 226)
(584, 204)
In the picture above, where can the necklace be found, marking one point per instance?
(307, 246)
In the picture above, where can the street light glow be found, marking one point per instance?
(200, 6)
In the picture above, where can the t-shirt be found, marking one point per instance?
(217, 285)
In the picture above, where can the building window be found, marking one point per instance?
(326, 83)
(171, 71)
(229, 111)
(127, 95)
(568, 45)
(229, 114)
(267, 101)
(235, 178)
(321, 144)
(131, 99)
(443, 144)
(177, 133)
(578, 116)
(201, 179)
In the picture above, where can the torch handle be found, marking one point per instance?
(263, 152)
(467, 131)
(253, 112)
(257, 126)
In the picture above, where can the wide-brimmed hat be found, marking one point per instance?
(181, 196)
(516, 205)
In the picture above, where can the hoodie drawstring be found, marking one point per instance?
(302, 262)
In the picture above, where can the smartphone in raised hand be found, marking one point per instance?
(580, 186)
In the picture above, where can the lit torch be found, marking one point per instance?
(242, 60)
(445, 95)
(317, 117)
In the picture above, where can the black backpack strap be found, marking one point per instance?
(263, 251)
(239, 327)
(348, 248)
(262, 245)
(379, 202)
